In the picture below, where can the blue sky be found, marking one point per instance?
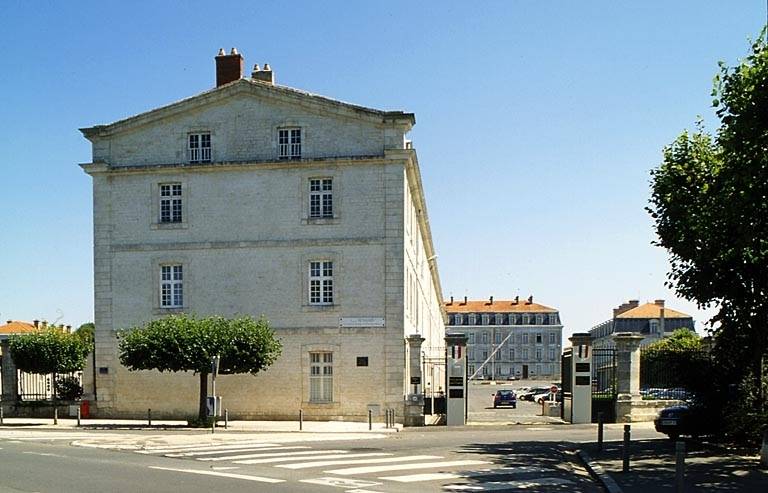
(537, 125)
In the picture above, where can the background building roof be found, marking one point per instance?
(496, 306)
(652, 310)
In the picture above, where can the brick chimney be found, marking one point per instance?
(229, 68)
(659, 302)
(263, 75)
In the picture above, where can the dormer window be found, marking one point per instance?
(289, 143)
(199, 147)
(485, 319)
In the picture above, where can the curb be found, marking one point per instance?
(599, 473)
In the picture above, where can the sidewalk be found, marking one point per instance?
(232, 426)
(652, 468)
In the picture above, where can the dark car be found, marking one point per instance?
(684, 419)
(505, 398)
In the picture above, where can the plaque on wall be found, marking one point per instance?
(456, 381)
(456, 393)
(582, 367)
(415, 380)
(582, 380)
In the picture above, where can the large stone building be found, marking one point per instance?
(653, 320)
(508, 339)
(255, 198)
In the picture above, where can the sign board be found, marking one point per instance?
(553, 389)
(415, 380)
(582, 367)
(361, 322)
(456, 382)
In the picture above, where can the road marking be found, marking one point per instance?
(403, 467)
(221, 474)
(44, 454)
(193, 448)
(412, 478)
(540, 428)
(340, 482)
(506, 485)
(214, 452)
(277, 455)
(345, 460)
(313, 457)
(223, 468)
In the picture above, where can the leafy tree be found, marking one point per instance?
(86, 332)
(51, 351)
(185, 343)
(709, 203)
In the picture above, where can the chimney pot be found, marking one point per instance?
(263, 75)
(36, 323)
(267, 67)
(659, 302)
(229, 68)
(256, 67)
(465, 300)
(451, 300)
(530, 299)
(9, 321)
(491, 300)
(233, 51)
(221, 52)
(517, 300)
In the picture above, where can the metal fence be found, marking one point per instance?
(35, 387)
(671, 374)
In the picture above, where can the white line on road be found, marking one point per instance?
(289, 455)
(412, 478)
(313, 457)
(345, 460)
(507, 485)
(229, 451)
(221, 474)
(404, 467)
(192, 448)
(44, 454)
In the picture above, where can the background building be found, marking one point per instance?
(653, 320)
(519, 339)
(259, 199)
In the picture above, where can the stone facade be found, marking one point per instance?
(245, 238)
(652, 320)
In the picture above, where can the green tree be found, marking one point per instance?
(86, 332)
(51, 351)
(185, 343)
(709, 202)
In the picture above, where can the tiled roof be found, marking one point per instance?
(652, 310)
(16, 327)
(498, 306)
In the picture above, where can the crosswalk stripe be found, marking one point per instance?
(324, 463)
(249, 443)
(412, 478)
(404, 467)
(229, 451)
(271, 454)
(336, 455)
(522, 484)
(222, 474)
(192, 448)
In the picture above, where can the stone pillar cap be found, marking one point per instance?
(580, 339)
(456, 339)
(415, 339)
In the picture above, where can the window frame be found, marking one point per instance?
(290, 148)
(199, 153)
(324, 198)
(321, 381)
(174, 283)
(174, 199)
(325, 282)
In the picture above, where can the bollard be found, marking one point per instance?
(388, 417)
(301, 419)
(149, 417)
(600, 431)
(213, 425)
(625, 450)
(78, 416)
(55, 415)
(680, 467)
(226, 418)
(370, 419)
(1, 415)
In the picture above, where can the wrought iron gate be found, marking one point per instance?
(604, 389)
(566, 408)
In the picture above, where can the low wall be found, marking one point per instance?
(39, 409)
(637, 411)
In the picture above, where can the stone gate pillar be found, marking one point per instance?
(581, 378)
(414, 401)
(9, 375)
(627, 373)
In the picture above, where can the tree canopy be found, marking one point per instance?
(49, 351)
(186, 343)
(709, 202)
(86, 332)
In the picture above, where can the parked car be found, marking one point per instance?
(504, 398)
(532, 392)
(545, 396)
(684, 419)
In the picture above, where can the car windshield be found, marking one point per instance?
(505, 393)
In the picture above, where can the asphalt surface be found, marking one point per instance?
(489, 458)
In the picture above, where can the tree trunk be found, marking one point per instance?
(203, 409)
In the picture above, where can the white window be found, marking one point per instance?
(200, 147)
(289, 143)
(320, 198)
(525, 353)
(471, 337)
(551, 354)
(470, 370)
(551, 337)
(539, 319)
(171, 286)
(320, 377)
(553, 318)
(512, 319)
(320, 282)
(485, 319)
(470, 354)
(499, 319)
(471, 319)
(654, 326)
(485, 337)
(170, 203)
(526, 317)
(525, 338)
(485, 355)
(497, 337)
(512, 353)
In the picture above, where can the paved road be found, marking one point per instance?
(481, 411)
(534, 458)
